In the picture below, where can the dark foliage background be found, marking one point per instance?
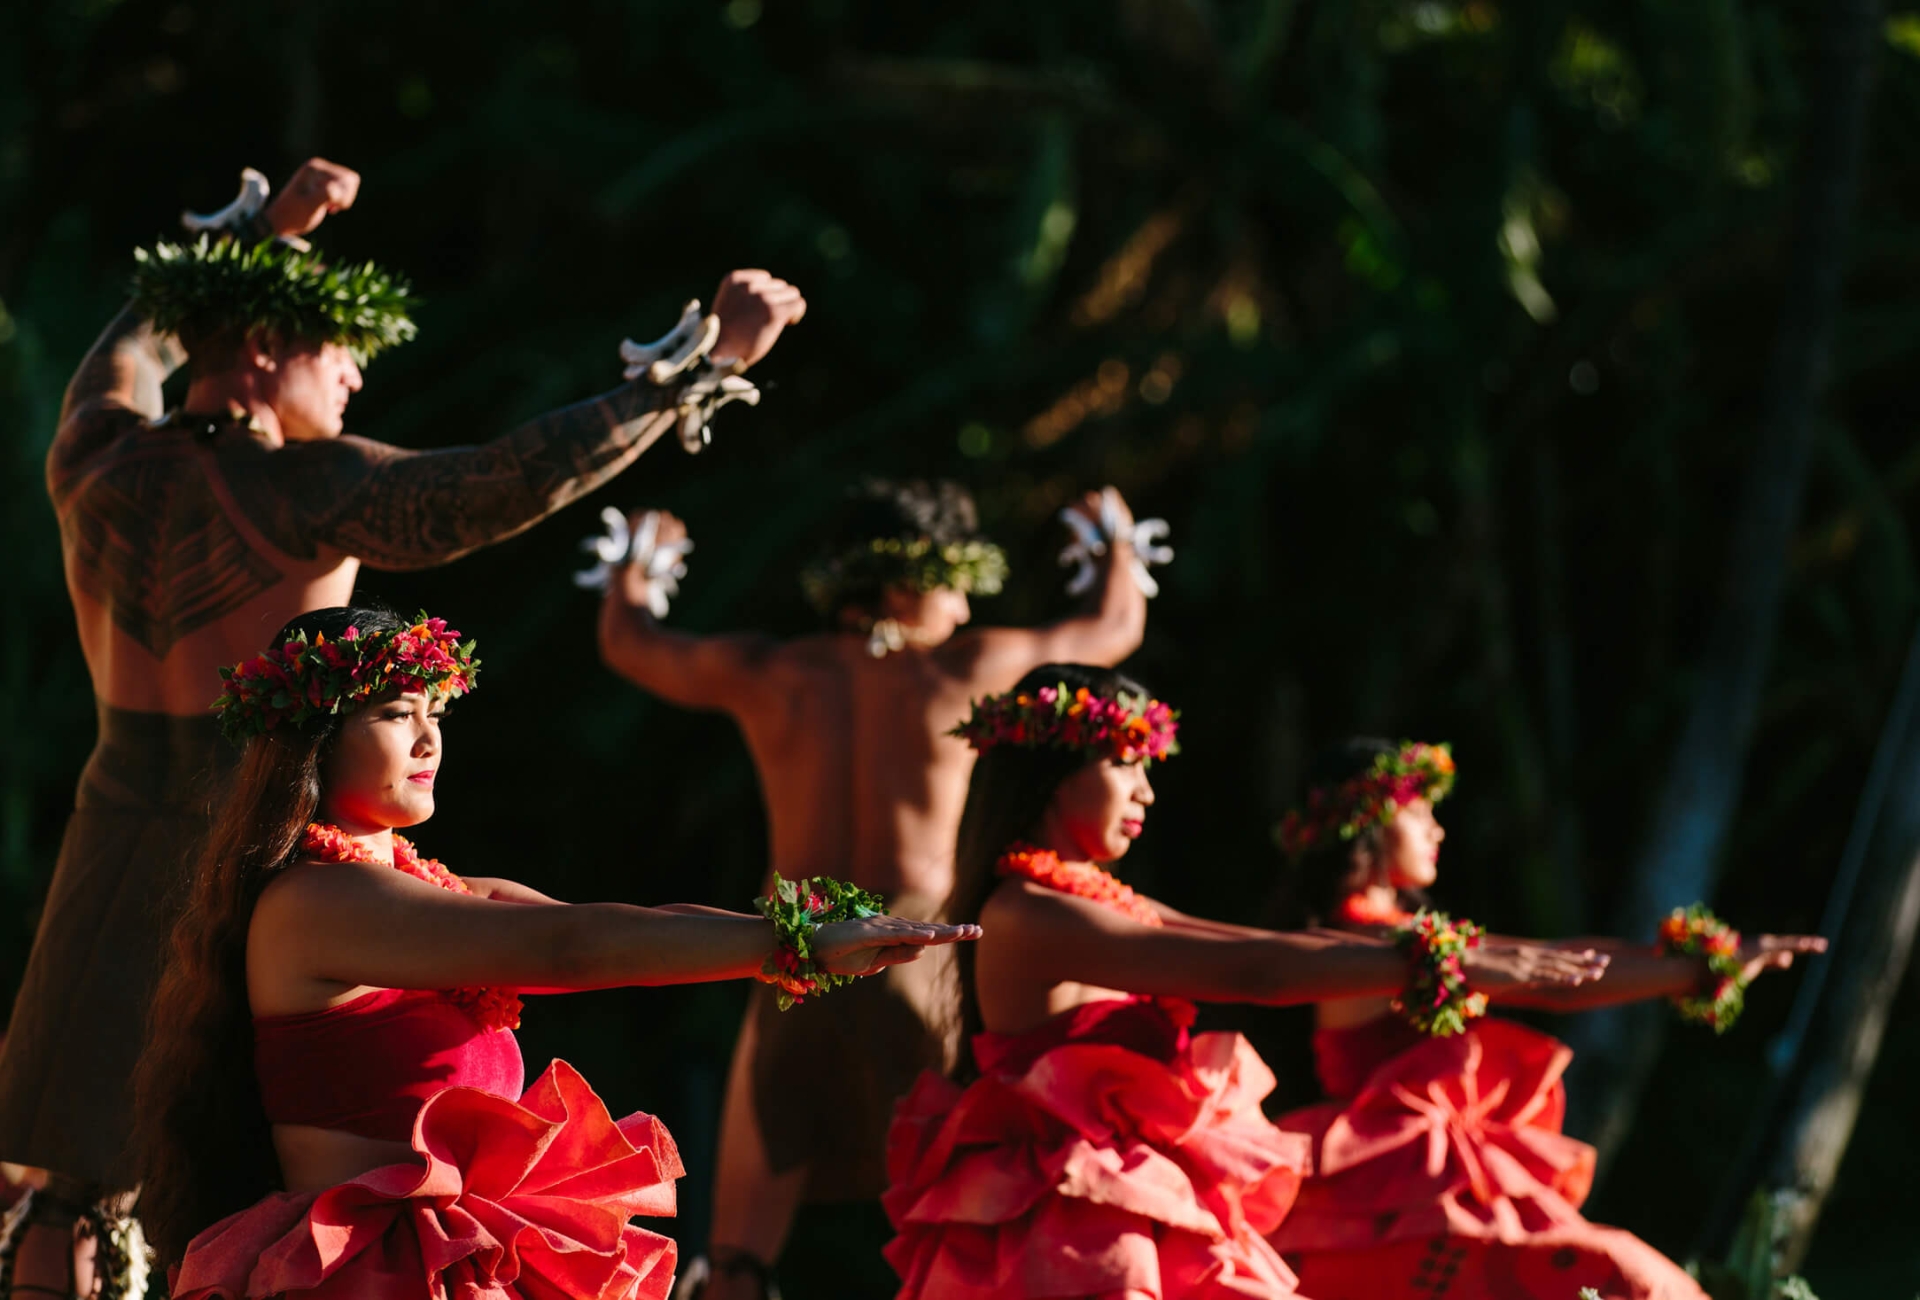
(1434, 328)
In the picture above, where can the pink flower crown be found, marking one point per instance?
(1126, 728)
(300, 679)
(1338, 813)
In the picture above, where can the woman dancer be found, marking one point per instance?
(1088, 1146)
(331, 1096)
(1441, 1159)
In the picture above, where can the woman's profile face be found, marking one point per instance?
(381, 770)
(1098, 812)
(1410, 846)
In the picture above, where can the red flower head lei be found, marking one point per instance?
(491, 1008)
(1696, 932)
(300, 679)
(1126, 728)
(1414, 771)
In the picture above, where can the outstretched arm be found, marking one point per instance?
(374, 926)
(1107, 629)
(1637, 973)
(695, 672)
(399, 509)
(1057, 937)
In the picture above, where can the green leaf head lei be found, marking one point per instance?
(220, 285)
(972, 567)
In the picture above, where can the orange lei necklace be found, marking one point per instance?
(1360, 909)
(492, 1008)
(1081, 879)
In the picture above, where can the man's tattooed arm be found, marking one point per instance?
(119, 377)
(400, 509)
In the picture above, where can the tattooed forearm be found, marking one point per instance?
(397, 509)
(121, 374)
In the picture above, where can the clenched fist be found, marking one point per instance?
(319, 187)
(753, 308)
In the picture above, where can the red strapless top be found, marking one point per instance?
(367, 1066)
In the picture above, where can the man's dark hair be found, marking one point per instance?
(851, 572)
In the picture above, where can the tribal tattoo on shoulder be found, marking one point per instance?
(394, 508)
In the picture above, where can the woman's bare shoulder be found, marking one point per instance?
(298, 888)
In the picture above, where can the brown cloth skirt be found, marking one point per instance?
(77, 1028)
(827, 1072)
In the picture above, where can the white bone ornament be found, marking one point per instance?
(664, 565)
(254, 189)
(685, 353)
(691, 338)
(1091, 539)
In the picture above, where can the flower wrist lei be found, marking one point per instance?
(302, 679)
(1125, 728)
(1339, 813)
(797, 908)
(1437, 1001)
(683, 357)
(1696, 932)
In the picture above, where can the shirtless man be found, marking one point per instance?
(188, 540)
(847, 730)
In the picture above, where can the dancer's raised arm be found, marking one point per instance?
(123, 371)
(396, 508)
(695, 671)
(119, 378)
(1108, 627)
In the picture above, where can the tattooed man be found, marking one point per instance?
(190, 538)
(847, 730)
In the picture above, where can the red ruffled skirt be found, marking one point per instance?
(1449, 1166)
(514, 1199)
(1102, 1154)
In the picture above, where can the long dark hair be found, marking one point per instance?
(1314, 884)
(1006, 799)
(201, 1132)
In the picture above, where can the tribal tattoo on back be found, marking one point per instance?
(150, 541)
